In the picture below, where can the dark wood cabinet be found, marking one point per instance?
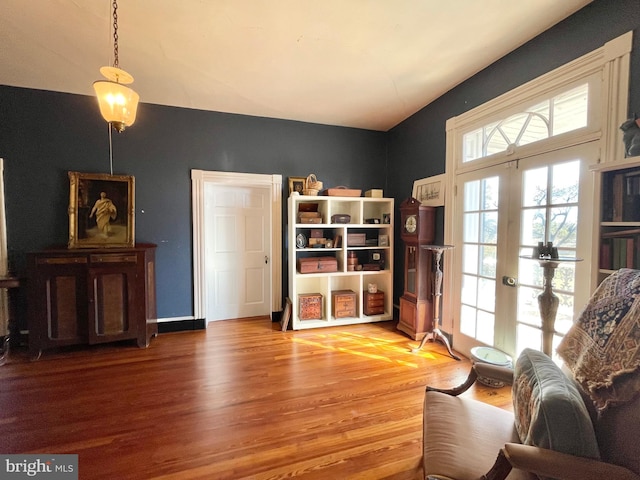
(92, 296)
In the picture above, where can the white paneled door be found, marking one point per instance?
(237, 248)
(504, 211)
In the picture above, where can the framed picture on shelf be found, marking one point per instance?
(101, 210)
(430, 191)
(383, 240)
(296, 184)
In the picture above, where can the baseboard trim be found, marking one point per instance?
(181, 325)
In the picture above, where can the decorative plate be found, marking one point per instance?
(301, 241)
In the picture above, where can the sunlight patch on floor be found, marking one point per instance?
(356, 345)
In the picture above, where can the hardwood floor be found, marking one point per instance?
(239, 400)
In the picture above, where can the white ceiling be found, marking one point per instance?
(359, 63)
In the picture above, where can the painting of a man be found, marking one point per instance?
(101, 210)
(104, 211)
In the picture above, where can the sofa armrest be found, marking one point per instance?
(553, 464)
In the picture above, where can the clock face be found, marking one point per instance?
(410, 224)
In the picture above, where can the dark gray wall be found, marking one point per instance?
(45, 134)
(417, 148)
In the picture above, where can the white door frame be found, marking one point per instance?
(198, 180)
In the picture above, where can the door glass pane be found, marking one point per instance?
(468, 321)
(471, 196)
(529, 337)
(490, 193)
(470, 259)
(549, 214)
(564, 187)
(471, 227)
(489, 232)
(469, 289)
(563, 226)
(530, 270)
(528, 310)
(486, 293)
(532, 226)
(486, 325)
(535, 187)
(489, 255)
(479, 258)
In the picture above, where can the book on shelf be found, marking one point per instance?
(620, 252)
(618, 197)
(625, 197)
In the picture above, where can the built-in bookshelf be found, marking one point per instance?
(619, 239)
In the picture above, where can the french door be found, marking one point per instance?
(502, 213)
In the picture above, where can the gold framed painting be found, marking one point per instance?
(297, 184)
(101, 210)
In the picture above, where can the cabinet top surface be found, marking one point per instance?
(59, 249)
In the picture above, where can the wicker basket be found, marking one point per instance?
(312, 183)
(310, 191)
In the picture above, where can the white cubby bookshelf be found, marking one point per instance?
(362, 211)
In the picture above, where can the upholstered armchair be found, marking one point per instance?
(580, 421)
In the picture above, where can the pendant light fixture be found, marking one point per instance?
(118, 103)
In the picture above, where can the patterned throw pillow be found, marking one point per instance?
(548, 409)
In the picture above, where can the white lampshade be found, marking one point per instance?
(118, 103)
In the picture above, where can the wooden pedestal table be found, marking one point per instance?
(435, 333)
(548, 301)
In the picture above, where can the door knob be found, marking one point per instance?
(266, 259)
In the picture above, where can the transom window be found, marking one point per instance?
(559, 114)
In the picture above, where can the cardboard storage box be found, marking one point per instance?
(374, 193)
(317, 265)
(310, 306)
(343, 303)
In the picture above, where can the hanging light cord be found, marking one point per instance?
(115, 33)
(115, 64)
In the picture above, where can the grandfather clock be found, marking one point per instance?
(416, 303)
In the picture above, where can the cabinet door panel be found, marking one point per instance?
(62, 308)
(112, 313)
(57, 305)
(112, 298)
